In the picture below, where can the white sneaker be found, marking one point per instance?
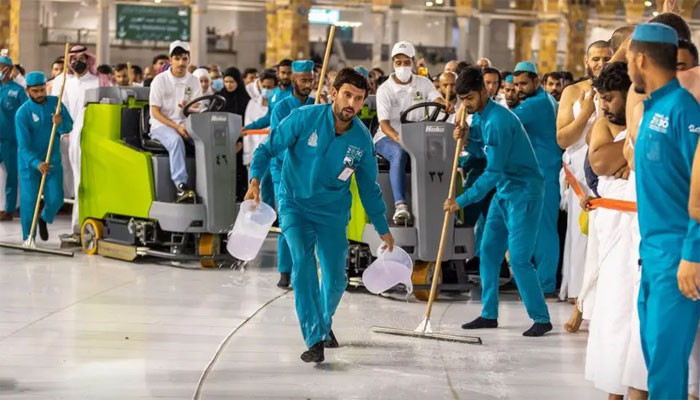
(401, 215)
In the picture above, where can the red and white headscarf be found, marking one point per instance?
(78, 50)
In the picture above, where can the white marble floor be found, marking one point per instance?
(94, 328)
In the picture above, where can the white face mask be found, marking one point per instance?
(403, 73)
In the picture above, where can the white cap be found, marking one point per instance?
(405, 48)
(179, 43)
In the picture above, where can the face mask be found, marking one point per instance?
(217, 84)
(403, 73)
(79, 67)
(265, 93)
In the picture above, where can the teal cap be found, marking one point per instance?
(303, 66)
(35, 78)
(526, 66)
(655, 32)
(509, 79)
(362, 71)
(5, 60)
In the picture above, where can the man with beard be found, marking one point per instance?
(670, 247)
(284, 79)
(513, 217)
(613, 356)
(33, 123)
(537, 112)
(576, 114)
(446, 87)
(302, 82)
(510, 93)
(325, 144)
(553, 84)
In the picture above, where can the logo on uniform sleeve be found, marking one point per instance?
(659, 123)
(694, 129)
(35, 117)
(313, 140)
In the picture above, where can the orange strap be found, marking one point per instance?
(611, 204)
(250, 132)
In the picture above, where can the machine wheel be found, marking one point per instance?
(90, 234)
(209, 245)
(423, 273)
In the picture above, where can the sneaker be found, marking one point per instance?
(401, 215)
(184, 194)
(43, 230)
(284, 280)
(5, 216)
(331, 342)
(314, 353)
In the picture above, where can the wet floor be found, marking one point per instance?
(95, 328)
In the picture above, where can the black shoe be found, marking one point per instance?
(481, 323)
(313, 354)
(538, 329)
(43, 230)
(284, 280)
(332, 342)
(184, 194)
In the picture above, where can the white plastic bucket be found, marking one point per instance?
(388, 270)
(250, 230)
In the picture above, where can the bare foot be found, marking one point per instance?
(615, 396)
(636, 394)
(574, 322)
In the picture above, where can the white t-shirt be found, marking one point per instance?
(393, 99)
(167, 92)
(254, 110)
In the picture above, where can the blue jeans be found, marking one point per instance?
(398, 158)
(175, 144)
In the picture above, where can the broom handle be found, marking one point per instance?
(448, 214)
(48, 152)
(326, 57)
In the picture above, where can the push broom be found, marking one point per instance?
(29, 244)
(424, 329)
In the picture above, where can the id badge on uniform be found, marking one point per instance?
(346, 173)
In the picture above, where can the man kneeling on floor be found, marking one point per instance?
(33, 123)
(511, 167)
(325, 144)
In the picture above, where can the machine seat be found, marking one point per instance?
(147, 143)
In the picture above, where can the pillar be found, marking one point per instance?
(378, 25)
(686, 8)
(271, 33)
(198, 32)
(524, 31)
(577, 21)
(464, 12)
(292, 29)
(484, 36)
(5, 18)
(24, 35)
(103, 32)
(634, 11)
(549, 37)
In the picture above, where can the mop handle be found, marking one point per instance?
(446, 219)
(129, 73)
(326, 57)
(48, 152)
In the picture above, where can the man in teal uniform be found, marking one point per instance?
(670, 246)
(511, 167)
(33, 123)
(302, 82)
(12, 96)
(325, 145)
(538, 114)
(284, 90)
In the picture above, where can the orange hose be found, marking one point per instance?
(250, 132)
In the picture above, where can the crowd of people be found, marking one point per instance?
(616, 150)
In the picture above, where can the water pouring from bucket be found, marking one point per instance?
(388, 270)
(250, 230)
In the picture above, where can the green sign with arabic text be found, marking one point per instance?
(153, 22)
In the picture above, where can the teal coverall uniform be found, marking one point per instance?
(315, 202)
(538, 114)
(666, 142)
(514, 213)
(12, 96)
(281, 111)
(33, 124)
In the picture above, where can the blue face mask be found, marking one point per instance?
(265, 93)
(217, 84)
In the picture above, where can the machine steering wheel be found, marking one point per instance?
(217, 104)
(433, 117)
